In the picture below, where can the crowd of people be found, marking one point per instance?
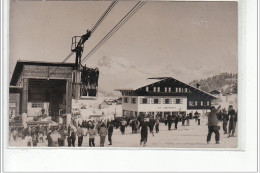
(62, 135)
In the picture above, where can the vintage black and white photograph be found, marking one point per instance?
(139, 74)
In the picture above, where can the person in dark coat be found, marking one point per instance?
(183, 118)
(157, 123)
(144, 131)
(49, 139)
(169, 120)
(225, 120)
(110, 133)
(73, 137)
(165, 120)
(176, 120)
(151, 125)
(213, 124)
(196, 115)
(232, 121)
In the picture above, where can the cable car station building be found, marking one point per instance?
(41, 85)
(163, 96)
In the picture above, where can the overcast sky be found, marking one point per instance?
(184, 34)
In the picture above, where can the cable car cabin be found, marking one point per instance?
(89, 82)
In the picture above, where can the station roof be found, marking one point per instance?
(20, 64)
(140, 84)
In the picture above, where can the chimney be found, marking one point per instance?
(198, 86)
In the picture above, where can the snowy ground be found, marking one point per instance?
(192, 136)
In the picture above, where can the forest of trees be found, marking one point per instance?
(224, 82)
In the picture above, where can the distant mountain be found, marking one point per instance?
(225, 82)
(115, 72)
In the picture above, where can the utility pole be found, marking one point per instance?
(77, 46)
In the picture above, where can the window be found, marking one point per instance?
(147, 88)
(133, 100)
(37, 105)
(125, 99)
(154, 89)
(165, 89)
(158, 89)
(196, 103)
(186, 89)
(169, 89)
(144, 101)
(191, 103)
(156, 101)
(178, 101)
(180, 89)
(201, 103)
(176, 89)
(167, 101)
(207, 103)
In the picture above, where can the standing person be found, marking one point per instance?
(55, 136)
(92, 133)
(49, 139)
(80, 134)
(165, 120)
(157, 123)
(98, 126)
(188, 120)
(35, 140)
(169, 120)
(73, 137)
(103, 134)
(183, 117)
(225, 120)
(110, 133)
(144, 131)
(62, 137)
(199, 119)
(232, 121)
(123, 124)
(213, 124)
(196, 115)
(132, 123)
(151, 125)
(176, 120)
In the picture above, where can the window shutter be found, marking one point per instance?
(181, 101)
(174, 101)
(159, 101)
(141, 100)
(170, 101)
(163, 101)
(152, 100)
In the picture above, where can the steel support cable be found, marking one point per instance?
(103, 16)
(92, 30)
(115, 29)
(112, 31)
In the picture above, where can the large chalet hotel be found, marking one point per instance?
(164, 96)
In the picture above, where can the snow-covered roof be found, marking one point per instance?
(139, 84)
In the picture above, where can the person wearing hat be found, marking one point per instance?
(213, 124)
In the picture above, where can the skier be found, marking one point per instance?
(232, 121)
(110, 132)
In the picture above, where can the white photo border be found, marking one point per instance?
(151, 160)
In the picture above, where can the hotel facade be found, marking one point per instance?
(164, 96)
